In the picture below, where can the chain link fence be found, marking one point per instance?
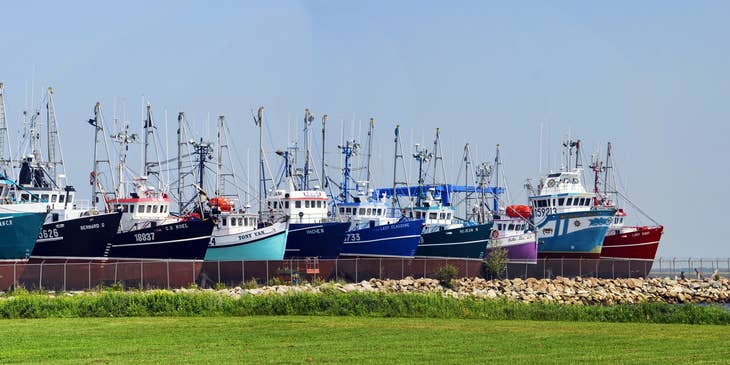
(76, 275)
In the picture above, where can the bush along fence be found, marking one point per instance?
(83, 275)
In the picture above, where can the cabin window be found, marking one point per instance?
(224, 222)
(233, 221)
(511, 227)
(34, 198)
(576, 201)
(286, 204)
(125, 208)
(542, 203)
(380, 211)
(240, 221)
(297, 204)
(432, 215)
(306, 203)
(149, 209)
(561, 201)
(370, 211)
(319, 204)
(131, 208)
(44, 198)
(342, 210)
(583, 201)
(54, 198)
(500, 227)
(569, 202)
(362, 211)
(71, 198)
(24, 197)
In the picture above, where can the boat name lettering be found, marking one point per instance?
(89, 226)
(181, 226)
(144, 237)
(6, 222)
(466, 230)
(252, 234)
(315, 231)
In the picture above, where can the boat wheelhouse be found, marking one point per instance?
(515, 235)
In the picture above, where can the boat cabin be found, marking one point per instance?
(308, 206)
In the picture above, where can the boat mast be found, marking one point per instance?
(608, 177)
(52, 136)
(308, 119)
(98, 129)
(484, 171)
(422, 155)
(348, 150)
(262, 183)
(369, 181)
(5, 160)
(149, 166)
(219, 166)
(497, 165)
(124, 139)
(398, 156)
(180, 176)
(467, 168)
(324, 178)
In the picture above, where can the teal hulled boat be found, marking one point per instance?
(18, 233)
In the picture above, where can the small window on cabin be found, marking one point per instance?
(125, 208)
(154, 209)
(54, 198)
(342, 210)
(369, 211)
(61, 198)
(34, 198)
(319, 204)
(432, 215)
(362, 211)
(298, 204)
(499, 227)
(569, 202)
(511, 227)
(224, 222)
(306, 203)
(561, 201)
(149, 208)
(71, 198)
(583, 201)
(44, 198)
(380, 211)
(131, 208)
(233, 221)
(541, 203)
(576, 201)
(240, 221)
(24, 197)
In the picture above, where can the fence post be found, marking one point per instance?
(424, 267)
(336, 273)
(141, 275)
(219, 271)
(15, 275)
(580, 267)
(356, 269)
(167, 269)
(64, 275)
(466, 262)
(243, 271)
(561, 267)
(380, 269)
(192, 271)
(89, 275)
(403, 267)
(267, 272)
(116, 266)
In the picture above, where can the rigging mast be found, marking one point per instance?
(484, 173)
(308, 119)
(262, 182)
(398, 156)
(467, 182)
(52, 137)
(5, 160)
(369, 180)
(151, 168)
(324, 178)
(497, 166)
(423, 156)
(180, 175)
(96, 176)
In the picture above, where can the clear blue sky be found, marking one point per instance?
(650, 76)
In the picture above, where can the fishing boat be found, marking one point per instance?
(638, 243)
(237, 234)
(515, 235)
(567, 224)
(147, 230)
(376, 229)
(443, 234)
(312, 231)
(19, 224)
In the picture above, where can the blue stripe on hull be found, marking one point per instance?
(586, 241)
(18, 233)
(323, 240)
(269, 248)
(397, 239)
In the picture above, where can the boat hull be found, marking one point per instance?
(521, 249)
(636, 245)
(83, 237)
(465, 242)
(323, 240)
(573, 235)
(267, 243)
(398, 239)
(18, 232)
(187, 240)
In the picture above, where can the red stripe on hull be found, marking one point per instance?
(640, 244)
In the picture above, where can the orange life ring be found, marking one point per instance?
(495, 233)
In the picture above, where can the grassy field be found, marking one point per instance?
(311, 339)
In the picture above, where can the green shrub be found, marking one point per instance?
(219, 286)
(250, 284)
(495, 264)
(446, 274)
(275, 281)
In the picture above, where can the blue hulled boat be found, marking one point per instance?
(567, 224)
(18, 233)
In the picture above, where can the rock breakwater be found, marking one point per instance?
(559, 290)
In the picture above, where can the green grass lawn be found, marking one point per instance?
(300, 339)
